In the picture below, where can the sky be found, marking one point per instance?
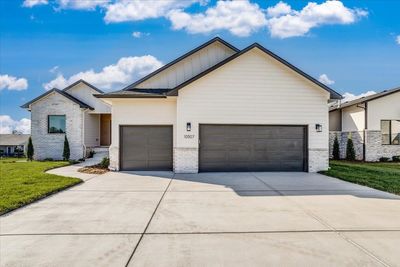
(352, 46)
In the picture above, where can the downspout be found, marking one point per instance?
(83, 133)
(365, 128)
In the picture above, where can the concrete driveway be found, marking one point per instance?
(208, 219)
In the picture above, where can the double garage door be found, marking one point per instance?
(222, 148)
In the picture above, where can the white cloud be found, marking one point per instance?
(126, 10)
(140, 34)
(82, 4)
(125, 71)
(12, 83)
(7, 125)
(290, 23)
(323, 78)
(349, 96)
(279, 9)
(241, 18)
(53, 69)
(398, 39)
(32, 3)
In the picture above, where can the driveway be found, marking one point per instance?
(208, 219)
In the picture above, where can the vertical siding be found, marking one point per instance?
(335, 120)
(353, 119)
(85, 94)
(92, 129)
(384, 108)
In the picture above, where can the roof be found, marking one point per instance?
(85, 82)
(366, 98)
(333, 94)
(61, 92)
(191, 52)
(136, 93)
(13, 139)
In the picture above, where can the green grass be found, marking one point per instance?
(381, 176)
(23, 182)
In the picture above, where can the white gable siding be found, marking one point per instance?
(188, 67)
(384, 108)
(85, 94)
(92, 129)
(256, 89)
(353, 119)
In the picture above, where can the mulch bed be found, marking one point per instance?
(95, 169)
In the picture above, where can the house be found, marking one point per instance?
(13, 144)
(218, 108)
(372, 122)
(73, 111)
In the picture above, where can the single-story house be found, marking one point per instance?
(13, 144)
(73, 111)
(372, 122)
(215, 108)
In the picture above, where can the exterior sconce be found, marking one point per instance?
(188, 126)
(318, 127)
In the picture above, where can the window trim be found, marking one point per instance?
(390, 134)
(48, 123)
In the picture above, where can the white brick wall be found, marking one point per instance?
(374, 149)
(318, 160)
(51, 145)
(186, 160)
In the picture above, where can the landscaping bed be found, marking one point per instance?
(383, 176)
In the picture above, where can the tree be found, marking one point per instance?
(66, 152)
(336, 149)
(30, 151)
(350, 152)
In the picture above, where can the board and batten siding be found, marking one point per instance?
(254, 89)
(353, 118)
(85, 94)
(188, 67)
(384, 108)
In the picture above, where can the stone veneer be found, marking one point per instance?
(318, 160)
(186, 160)
(375, 150)
(48, 145)
(356, 136)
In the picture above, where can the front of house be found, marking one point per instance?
(373, 123)
(216, 108)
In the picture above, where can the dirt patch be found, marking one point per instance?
(93, 170)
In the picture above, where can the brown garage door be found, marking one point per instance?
(252, 148)
(146, 148)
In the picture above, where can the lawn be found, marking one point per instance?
(24, 182)
(381, 176)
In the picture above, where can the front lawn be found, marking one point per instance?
(381, 176)
(23, 182)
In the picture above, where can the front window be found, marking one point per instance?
(56, 124)
(390, 130)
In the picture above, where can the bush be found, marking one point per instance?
(384, 159)
(350, 152)
(30, 151)
(396, 158)
(336, 149)
(105, 162)
(72, 161)
(66, 152)
(91, 154)
(48, 159)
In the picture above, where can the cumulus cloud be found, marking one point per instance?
(126, 10)
(286, 22)
(125, 71)
(12, 83)
(8, 125)
(82, 4)
(32, 3)
(323, 78)
(349, 96)
(241, 18)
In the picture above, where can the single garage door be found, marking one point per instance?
(252, 148)
(146, 148)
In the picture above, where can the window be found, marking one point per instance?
(56, 124)
(390, 130)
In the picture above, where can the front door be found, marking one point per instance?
(105, 129)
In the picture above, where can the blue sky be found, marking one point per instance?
(111, 43)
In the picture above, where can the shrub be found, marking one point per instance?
(336, 149)
(30, 151)
(91, 154)
(48, 159)
(396, 158)
(350, 152)
(72, 161)
(66, 152)
(105, 162)
(383, 159)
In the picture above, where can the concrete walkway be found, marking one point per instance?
(208, 219)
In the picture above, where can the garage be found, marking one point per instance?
(252, 148)
(146, 148)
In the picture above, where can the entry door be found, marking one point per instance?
(105, 129)
(252, 148)
(146, 148)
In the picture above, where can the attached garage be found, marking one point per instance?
(252, 148)
(146, 148)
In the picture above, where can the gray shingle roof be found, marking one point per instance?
(13, 139)
(136, 93)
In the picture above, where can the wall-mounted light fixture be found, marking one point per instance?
(318, 127)
(188, 126)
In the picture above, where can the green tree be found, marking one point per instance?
(30, 151)
(66, 152)
(350, 152)
(336, 149)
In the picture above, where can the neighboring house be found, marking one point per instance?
(74, 112)
(373, 123)
(216, 108)
(13, 144)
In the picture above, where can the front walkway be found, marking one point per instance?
(217, 219)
